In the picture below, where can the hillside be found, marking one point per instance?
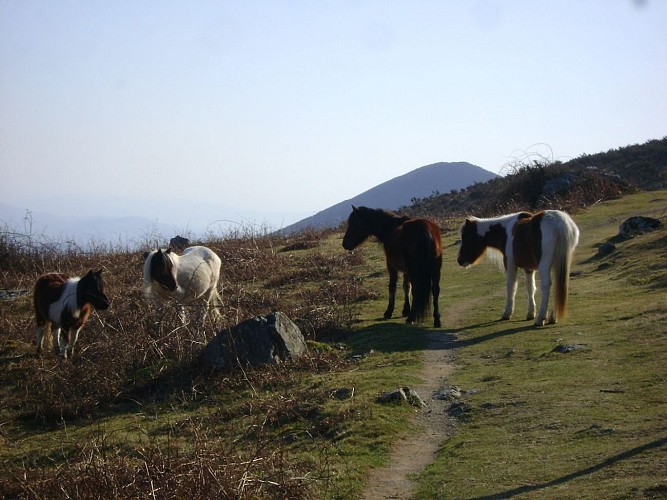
(425, 181)
(133, 413)
(571, 185)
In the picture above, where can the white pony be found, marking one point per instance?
(188, 279)
(541, 242)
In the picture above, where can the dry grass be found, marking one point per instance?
(127, 364)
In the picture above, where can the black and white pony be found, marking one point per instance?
(190, 279)
(543, 242)
(66, 303)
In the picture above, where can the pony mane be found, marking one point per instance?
(496, 257)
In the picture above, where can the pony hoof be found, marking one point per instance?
(437, 324)
(505, 317)
(387, 316)
(530, 316)
(540, 322)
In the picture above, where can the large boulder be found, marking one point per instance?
(638, 225)
(256, 341)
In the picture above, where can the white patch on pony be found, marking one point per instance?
(67, 301)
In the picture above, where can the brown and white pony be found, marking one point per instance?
(411, 246)
(542, 242)
(189, 279)
(66, 304)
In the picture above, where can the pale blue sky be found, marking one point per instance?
(297, 105)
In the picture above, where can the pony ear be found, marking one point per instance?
(354, 209)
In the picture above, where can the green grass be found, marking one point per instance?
(591, 423)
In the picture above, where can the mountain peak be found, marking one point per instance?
(399, 192)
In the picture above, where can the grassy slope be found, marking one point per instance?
(539, 420)
(589, 423)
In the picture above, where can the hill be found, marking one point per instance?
(540, 184)
(400, 191)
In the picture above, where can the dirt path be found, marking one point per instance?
(411, 455)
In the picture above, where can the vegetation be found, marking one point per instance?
(134, 414)
(537, 183)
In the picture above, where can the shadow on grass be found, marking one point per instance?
(396, 337)
(626, 455)
(461, 343)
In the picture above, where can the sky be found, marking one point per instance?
(294, 106)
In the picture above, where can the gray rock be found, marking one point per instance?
(605, 249)
(413, 398)
(256, 341)
(397, 396)
(638, 225)
(563, 349)
(449, 394)
(404, 394)
(559, 185)
(12, 294)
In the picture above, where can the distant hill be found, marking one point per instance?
(399, 192)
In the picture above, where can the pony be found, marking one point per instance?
(411, 246)
(544, 242)
(188, 279)
(66, 303)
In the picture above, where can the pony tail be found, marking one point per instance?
(420, 272)
(562, 263)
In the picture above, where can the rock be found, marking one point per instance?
(400, 395)
(413, 398)
(397, 396)
(560, 185)
(605, 249)
(12, 294)
(638, 225)
(256, 341)
(449, 394)
(568, 348)
(457, 409)
(342, 393)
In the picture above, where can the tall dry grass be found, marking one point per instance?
(126, 361)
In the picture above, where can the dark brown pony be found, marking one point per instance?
(411, 246)
(66, 303)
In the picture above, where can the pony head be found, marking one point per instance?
(473, 244)
(357, 228)
(91, 290)
(162, 269)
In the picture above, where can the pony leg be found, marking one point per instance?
(435, 290)
(393, 279)
(530, 289)
(406, 294)
(511, 291)
(61, 345)
(215, 302)
(180, 310)
(545, 288)
(41, 333)
(72, 337)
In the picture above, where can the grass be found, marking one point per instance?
(135, 416)
(590, 423)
